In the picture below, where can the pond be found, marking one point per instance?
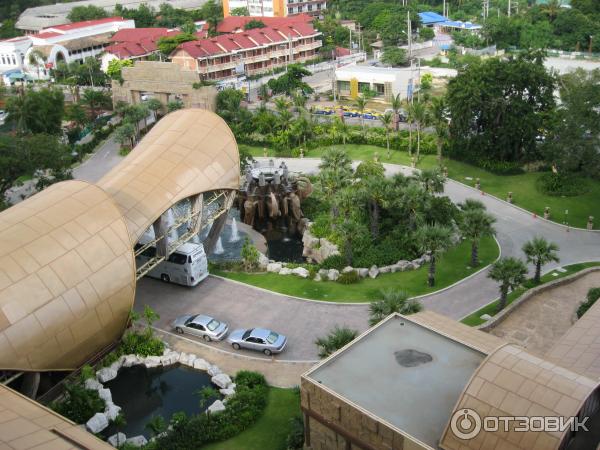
(144, 393)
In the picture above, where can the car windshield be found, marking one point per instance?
(190, 319)
(213, 325)
(246, 334)
(272, 337)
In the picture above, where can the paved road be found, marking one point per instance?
(99, 163)
(514, 227)
(242, 306)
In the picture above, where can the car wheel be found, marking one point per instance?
(165, 278)
(267, 352)
(206, 338)
(236, 346)
(179, 330)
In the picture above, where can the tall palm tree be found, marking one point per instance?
(95, 100)
(420, 117)
(474, 225)
(510, 273)
(434, 239)
(470, 204)
(386, 121)
(282, 104)
(299, 101)
(350, 231)
(361, 104)
(396, 104)
(376, 191)
(410, 121)
(432, 180)
(539, 252)
(263, 93)
(339, 130)
(438, 111)
(36, 59)
(412, 197)
(392, 301)
(335, 172)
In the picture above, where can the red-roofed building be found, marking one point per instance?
(250, 52)
(134, 43)
(235, 24)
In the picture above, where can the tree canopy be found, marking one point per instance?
(497, 108)
(37, 111)
(291, 81)
(89, 12)
(394, 56)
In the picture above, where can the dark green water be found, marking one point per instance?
(143, 393)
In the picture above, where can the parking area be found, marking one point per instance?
(242, 306)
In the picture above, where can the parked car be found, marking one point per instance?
(259, 339)
(206, 327)
(2, 115)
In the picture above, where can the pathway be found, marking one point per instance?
(541, 321)
(514, 227)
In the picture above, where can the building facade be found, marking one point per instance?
(251, 52)
(276, 8)
(36, 54)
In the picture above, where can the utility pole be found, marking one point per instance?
(350, 47)
(409, 33)
(508, 8)
(444, 9)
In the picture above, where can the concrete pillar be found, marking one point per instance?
(217, 226)
(136, 97)
(197, 205)
(590, 223)
(160, 232)
(164, 99)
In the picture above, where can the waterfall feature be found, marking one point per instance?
(219, 247)
(235, 235)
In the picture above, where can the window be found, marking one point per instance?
(380, 88)
(272, 338)
(246, 334)
(213, 325)
(190, 320)
(177, 258)
(344, 85)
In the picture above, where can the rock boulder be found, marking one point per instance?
(97, 423)
(217, 406)
(333, 274)
(274, 267)
(222, 380)
(106, 374)
(301, 272)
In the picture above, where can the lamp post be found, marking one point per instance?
(591, 39)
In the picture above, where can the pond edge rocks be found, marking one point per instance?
(169, 357)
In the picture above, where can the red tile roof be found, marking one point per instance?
(232, 24)
(134, 42)
(341, 51)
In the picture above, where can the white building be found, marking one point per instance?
(36, 54)
(276, 8)
(383, 81)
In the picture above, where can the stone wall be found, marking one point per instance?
(319, 405)
(163, 79)
(317, 249)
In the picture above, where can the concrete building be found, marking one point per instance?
(385, 82)
(250, 52)
(427, 382)
(276, 8)
(32, 20)
(236, 24)
(36, 54)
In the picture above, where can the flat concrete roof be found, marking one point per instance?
(405, 374)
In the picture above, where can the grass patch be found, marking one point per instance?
(452, 267)
(474, 319)
(271, 430)
(523, 186)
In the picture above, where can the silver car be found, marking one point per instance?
(206, 327)
(259, 339)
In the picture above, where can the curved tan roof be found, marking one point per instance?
(67, 277)
(67, 266)
(512, 382)
(187, 152)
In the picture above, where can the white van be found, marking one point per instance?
(187, 265)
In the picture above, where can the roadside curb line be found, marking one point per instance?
(235, 355)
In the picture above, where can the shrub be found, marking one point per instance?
(321, 227)
(334, 262)
(349, 278)
(249, 255)
(295, 438)
(592, 295)
(392, 301)
(79, 404)
(562, 184)
(87, 371)
(141, 344)
(336, 339)
(501, 167)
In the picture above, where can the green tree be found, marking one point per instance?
(419, 115)
(254, 23)
(156, 425)
(167, 44)
(361, 103)
(115, 67)
(394, 56)
(239, 12)
(89, 12)
(540, 252)
(250, 256)
(474, 225)
(339, 130)
(212, 11)
(349, 231)
(510, 273)
(392, 301)
(376, 191)
(95, 101)
(432, 180)
(174, 105)
(119, 423)
(155, 106)
(386, 121)
(438, 113)
(36, 111)
(335, 172)
(37, 59)
(497, 108)
(291, 81)
(125, 134)
(76, 113)
(335, 340)
(435, 240)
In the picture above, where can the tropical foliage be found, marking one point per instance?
(336, 339)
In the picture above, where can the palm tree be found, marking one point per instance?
(282, 105)
(432, 180)
(350, 230)
(376, 191)
(510, 273)
(412, 198)
(336, 339)
(392, 301)
(386, 121)
(263, 93)
(339, 130)
(409, 120)
(119, 422)
(539, 252)
(420, 117)
(361, 104)
(299, 101)
(36, 59)
(335, 171)
(156, 425)
(435, 240)
(474, 225)
(95, 100)
(396, 105)
(438, 110)
(470, 204)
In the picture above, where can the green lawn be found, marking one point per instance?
(474, 319)
(271, 430)
(452, 267)
(525, 193)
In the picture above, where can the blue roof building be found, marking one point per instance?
(430, 18)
